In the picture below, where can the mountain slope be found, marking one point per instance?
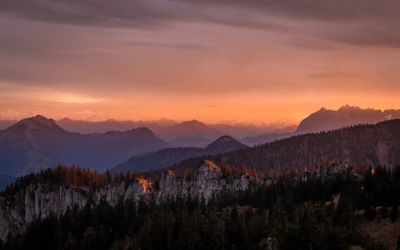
(192, 128)
(261, 139)
(38, 142)
(169, 156)
(5, 124)
(363, 144)
(198, 142)
(89, 127)
(325, 120)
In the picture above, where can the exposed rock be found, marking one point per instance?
(272, 244)
(39, 201)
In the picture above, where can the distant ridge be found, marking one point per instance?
(37, 142)
(191, 128)
(368, 145)
(169, 156)
(325, 119)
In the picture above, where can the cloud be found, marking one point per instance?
(141, 14)
(353, 22)
(315, 9)
(178, 44)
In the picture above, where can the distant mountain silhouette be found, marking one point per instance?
(169, 156)
(89, 127)
(248, 130)
(368, 145)
(186, 134)
(325, 120)
(38, 142)
(192, 128)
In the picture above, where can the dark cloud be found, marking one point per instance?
(317, 9)
(132, 13)
(354, 22)
(87, 12)
(382, 34)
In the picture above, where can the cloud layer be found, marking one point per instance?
(213, 51)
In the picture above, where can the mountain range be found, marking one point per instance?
(325, 119)
(169, 156)
(38, 142)
(368, 145)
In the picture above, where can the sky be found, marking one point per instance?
(211, 60)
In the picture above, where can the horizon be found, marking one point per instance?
(279, 123)
(145, 60)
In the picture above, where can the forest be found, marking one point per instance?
(294, 215)
(357, 145)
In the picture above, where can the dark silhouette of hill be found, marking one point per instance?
(90, 127)
(192, 128)
(261, 139)
(169, 156)
(325, 120)
(37, 142)
(359, 145)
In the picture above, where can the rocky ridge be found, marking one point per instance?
(39, 201)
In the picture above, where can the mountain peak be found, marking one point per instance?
(345, 116)
(39, 123)
(225, 143)
(323, 109)
(348, 108)
(193, 122)
(225, 139)
(43, 120)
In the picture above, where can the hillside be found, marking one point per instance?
(325, 120)
(90, 127)
(213, 209)
(362, 144)
(198, 142)
(262, 139)
(37, 142)
(169, 156)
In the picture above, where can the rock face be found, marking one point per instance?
(36, 202)
(208, 182)
(41, 200)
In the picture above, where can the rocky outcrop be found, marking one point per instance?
(39, 201)
(36, 202)
(209, 181)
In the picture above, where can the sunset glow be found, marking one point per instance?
(267, 67)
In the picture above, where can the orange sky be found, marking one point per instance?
(277, 63)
